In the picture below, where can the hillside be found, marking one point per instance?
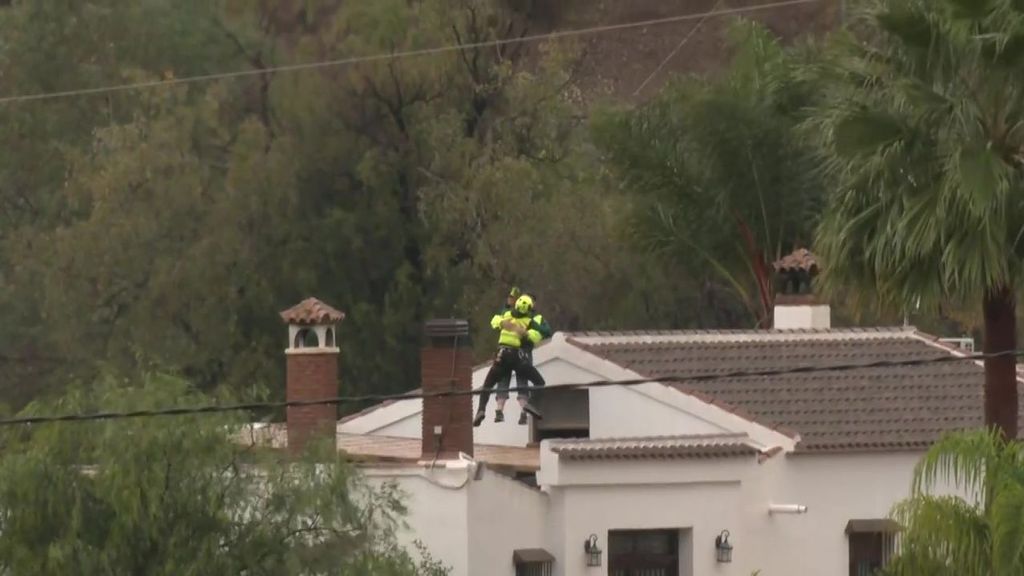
(616, 63)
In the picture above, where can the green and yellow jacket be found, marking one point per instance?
(537, 329)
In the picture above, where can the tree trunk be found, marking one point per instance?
(1001, 373)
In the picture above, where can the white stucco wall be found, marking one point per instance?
(698, 497)
(504, 515)
(475, 528)
(732, 494)
(706, 508)
(789, 317)
(471, 522)
(836, 488)
(411, 426)
(621, 412)
(438, 511)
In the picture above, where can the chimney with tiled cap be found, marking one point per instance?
(796, 306)
(446, 364)
(312, 367)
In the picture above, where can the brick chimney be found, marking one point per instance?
(796, 306)
(312, 367)
(446, 364)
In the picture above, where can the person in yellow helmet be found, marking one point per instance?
(515, 326)
(544, 328)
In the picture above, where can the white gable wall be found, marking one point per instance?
(410, 426)
(621, 412)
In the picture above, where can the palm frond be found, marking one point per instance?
(943, 531)
(960, 460)
(1008, 528)
(920, 119)
(978, 532)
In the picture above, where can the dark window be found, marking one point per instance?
(533, 562)
(330, 338)
(872, 545)
(566, 414)
(306, 338)
(643, 553)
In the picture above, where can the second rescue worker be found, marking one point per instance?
(516, 325)
(523, 395)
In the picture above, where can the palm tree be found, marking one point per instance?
(723, 184)
(922, 128)
(977, 534)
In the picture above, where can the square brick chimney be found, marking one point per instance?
(446, 365)
(312, 371)
(796, 306)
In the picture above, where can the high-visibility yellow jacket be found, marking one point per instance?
(511, 338)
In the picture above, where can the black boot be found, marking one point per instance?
(522, 418)
(532, 411)
(499, 416)
(480, 415)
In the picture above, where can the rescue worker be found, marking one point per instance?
(515, 325)
(527, 346)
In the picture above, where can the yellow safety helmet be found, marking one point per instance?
(524, 305)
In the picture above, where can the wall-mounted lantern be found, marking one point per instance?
(723, 549)
(592, 551)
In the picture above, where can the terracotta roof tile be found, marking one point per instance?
(312, 311)
(660, 447)
(900, 408)
(800, 259)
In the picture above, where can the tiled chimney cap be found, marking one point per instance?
(312, 311)
(800, 260)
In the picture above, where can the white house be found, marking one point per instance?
(797, 470)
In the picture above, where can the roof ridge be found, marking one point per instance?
(599, 338)
(670, 331)
(661, 437)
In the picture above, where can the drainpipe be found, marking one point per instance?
(787, 509)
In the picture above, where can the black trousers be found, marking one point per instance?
(507, 361)
(505, 382)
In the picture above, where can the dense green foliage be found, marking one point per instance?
(164, 228)
(921, 129)
(185, 496)
(725, 185)
(975, 533)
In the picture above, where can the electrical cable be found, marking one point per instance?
(672, 54)
(395, 55)
(679, 378)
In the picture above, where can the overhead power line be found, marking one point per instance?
(672, 54)
(680, 378)
(399, 54)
